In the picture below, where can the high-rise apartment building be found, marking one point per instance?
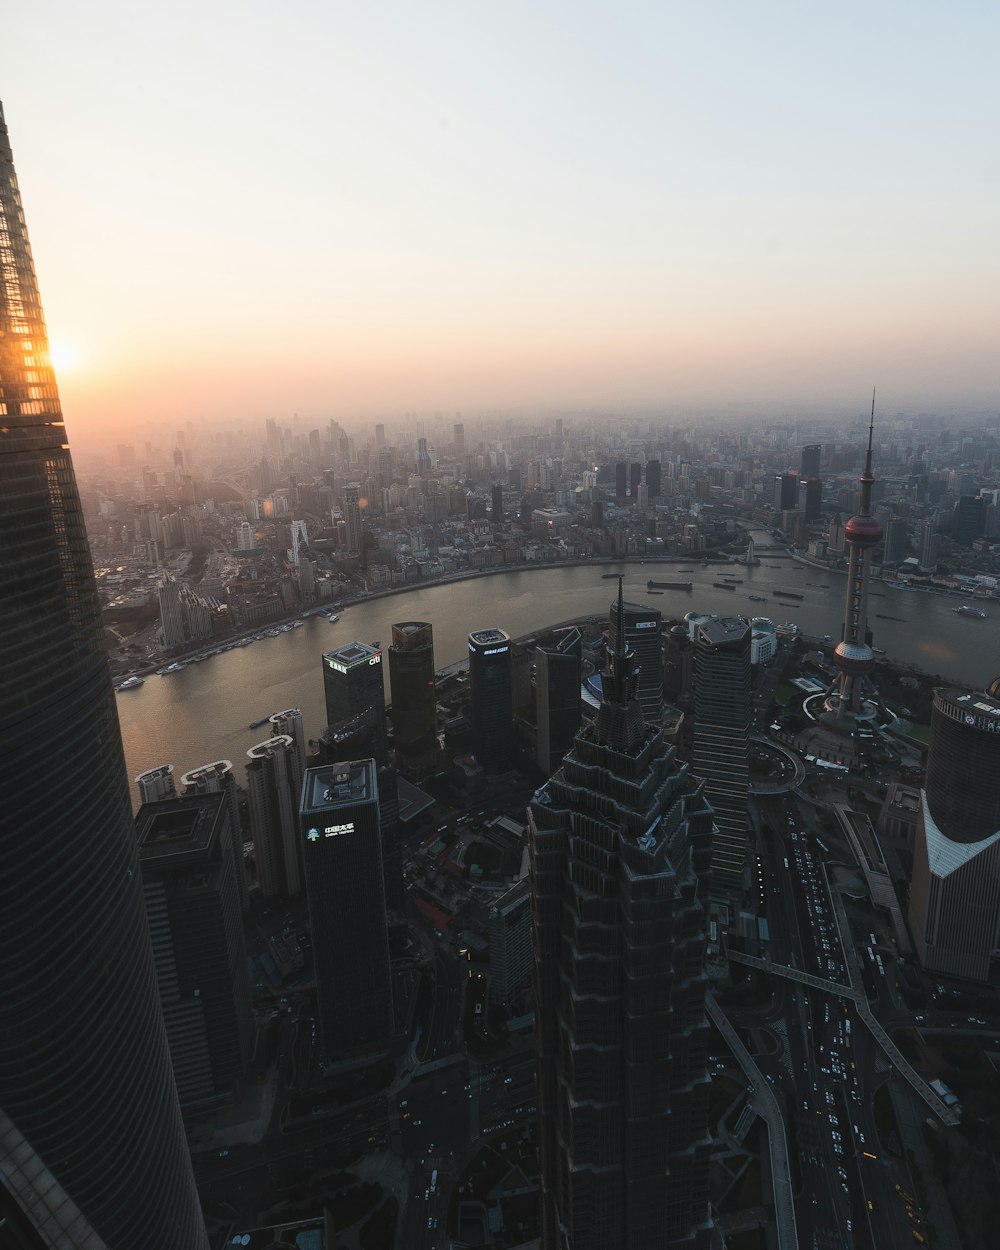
(92, 1145)
(274, 780)
(187, 856)
(414, 701)
(955, 890)
(491, 687)
(723, 710)
(620, 843)
(339, 829)
(929, 544)
(642, 637)
(171, 614)
(156, 783)
(557, 699)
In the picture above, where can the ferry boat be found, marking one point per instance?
(131, 683)
(333, 618)
(965, 610)
(171, 668)
(758, 598)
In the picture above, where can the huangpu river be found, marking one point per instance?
(203, 712)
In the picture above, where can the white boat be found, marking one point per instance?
(965, 610)
(333, 618)
(131, 683)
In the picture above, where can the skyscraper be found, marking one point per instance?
(187, 857)
(352, 684)
(723, 710)
(342, 849)
(218, 778)
(955, 890)
(786, 492)
(621, 482)
(853, 655)
(642, 638)
(352, 519)
(491, 686)
(496, 504)
(653, 478)
(414, 700)
(557, 699)
(811, 459)
(274, 780)
(620, 842)
(88, 1107)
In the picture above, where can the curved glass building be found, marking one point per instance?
(92, 1145)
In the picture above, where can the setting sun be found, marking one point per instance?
(64, 356)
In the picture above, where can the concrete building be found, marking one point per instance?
(342, 849)
(188, 862)
(274, 780)
(723, 711)
(955, 890)
(156, 783)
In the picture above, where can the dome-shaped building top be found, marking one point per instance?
(865, 531)
(993, 689)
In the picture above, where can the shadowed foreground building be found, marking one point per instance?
(414, 699)
(92, 1146)
(620, 842)
(955, 891)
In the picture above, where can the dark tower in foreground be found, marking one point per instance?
(853, 655)
(414, 700)
(491, 686)
(88, 1108)
(620, 841)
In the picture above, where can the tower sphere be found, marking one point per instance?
(993, 689)
(854, 657)
(863, 531)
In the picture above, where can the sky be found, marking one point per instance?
(373, 209)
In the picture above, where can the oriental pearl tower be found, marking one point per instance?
(853, 656)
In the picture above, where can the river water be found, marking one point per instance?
(202, 713)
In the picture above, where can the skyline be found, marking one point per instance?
(353, 214)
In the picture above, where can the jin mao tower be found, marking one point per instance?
(620, 841)
(92, 1146)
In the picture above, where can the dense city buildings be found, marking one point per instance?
(491, 689)
(643, 627)
(954, 894)
(187, 854)
(414, 701)
(92, 1146)
(342, 846)
(620, 847)
(723, 710)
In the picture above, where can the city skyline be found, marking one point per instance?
(366, 212)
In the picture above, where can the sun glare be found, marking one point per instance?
(63, 355)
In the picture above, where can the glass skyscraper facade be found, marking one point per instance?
(86, 1085)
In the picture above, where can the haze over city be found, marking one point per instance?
(350, 211)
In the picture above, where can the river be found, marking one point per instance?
(202, 713)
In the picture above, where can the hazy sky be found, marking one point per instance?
(370, 208)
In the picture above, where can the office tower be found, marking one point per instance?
(619, 840)
(678, 664)
(786, 492)
(491, 687)
(811, 456)
(642, 637)
(723, 710)
(414, 701)
(424, 465)
(955, 890)
(88, 1107)
(299, 538)
(835, 534)
(557, 699)
(459, 433)
(353, 684)
(156, 783)
(969, 519)
(810, 498)
(597, 514)
(634, 478)
(187, 854)
(274, 780)
(894, 541)
(621, 483)
(509, 932)
(352, 519)
(380, 435)
(653, 479)
(356, 729)
(171, 614)
(218, 777)
(929, 543)
(342, 853)
(853, 656)
(496, 502)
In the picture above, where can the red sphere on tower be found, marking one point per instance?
(865, 531)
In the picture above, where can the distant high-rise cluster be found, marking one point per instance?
(92, 1145)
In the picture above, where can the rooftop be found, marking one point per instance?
(336, 785)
